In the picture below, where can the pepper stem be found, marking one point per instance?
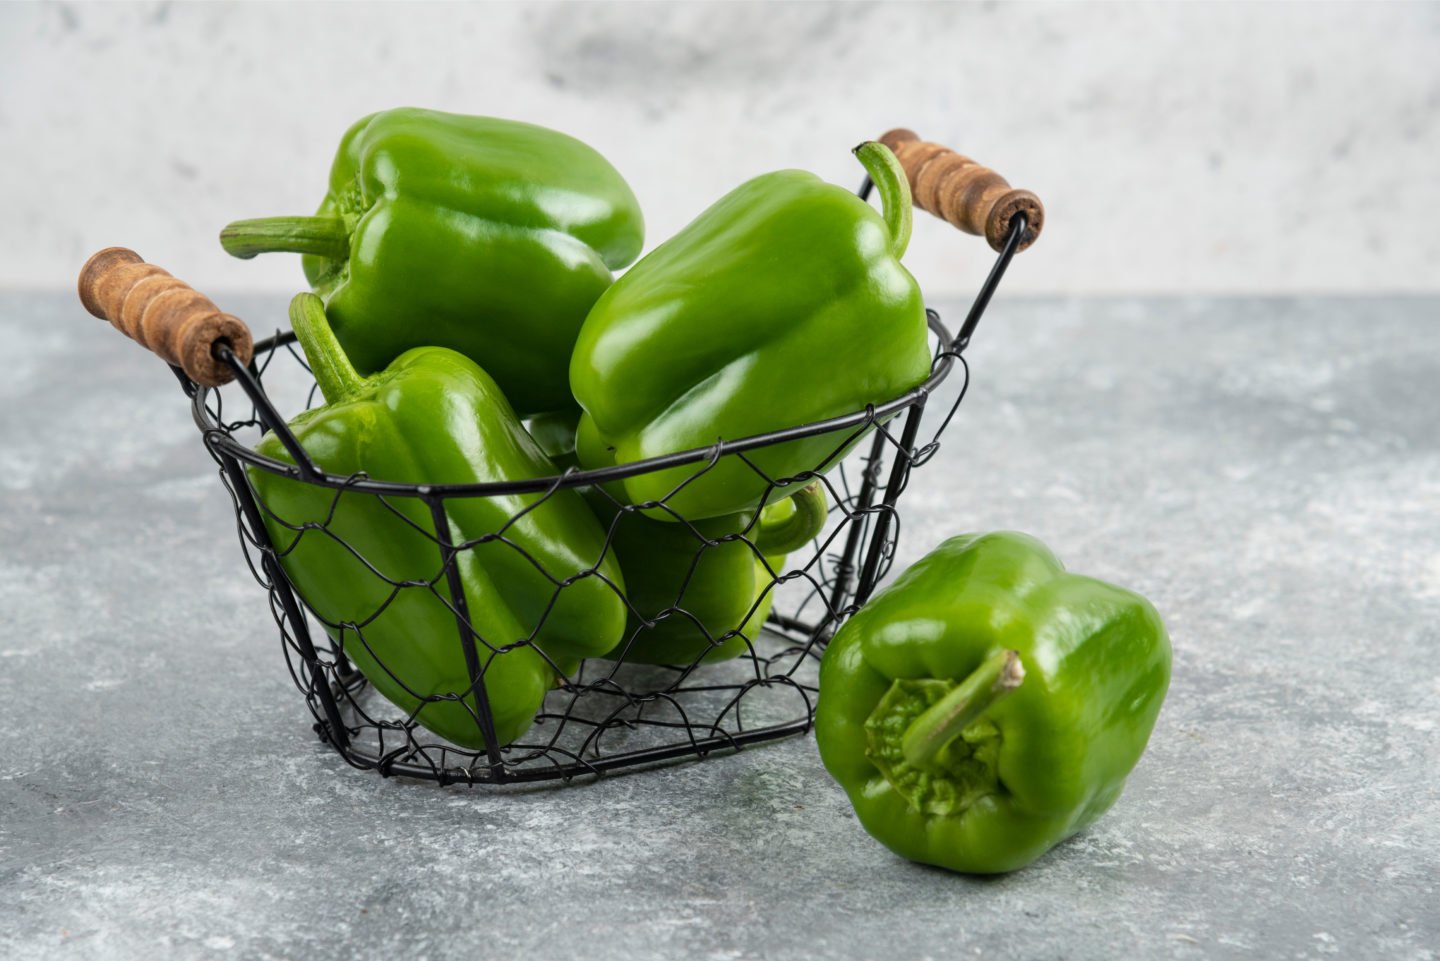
(943, 721)
(321, 236)
(333, 371)
(894, 185)
(776, 537)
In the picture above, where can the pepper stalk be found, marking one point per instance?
(326, 237)
(778, 533)
(337, 377)
(999, 675)
(895, 201)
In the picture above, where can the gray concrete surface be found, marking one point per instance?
(1267, 471)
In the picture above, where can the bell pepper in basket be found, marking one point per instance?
(987, 705)
(695, 583)
(783, 304)
(490, 237)
(434, 417)
(692, 583)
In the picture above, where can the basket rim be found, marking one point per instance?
(219, 438)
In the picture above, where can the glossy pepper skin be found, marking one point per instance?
(957, 753)
(785, 303)
(433, 416)
(490, 237)
(690, 585)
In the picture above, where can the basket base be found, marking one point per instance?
(607, 717)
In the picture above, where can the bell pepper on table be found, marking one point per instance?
(490, 237)
(785, 303)
(434, 417)
(987, 705)
(695, 583)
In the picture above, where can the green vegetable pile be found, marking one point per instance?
(465, 326)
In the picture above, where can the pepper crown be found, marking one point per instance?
(930, 740)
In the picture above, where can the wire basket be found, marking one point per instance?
(601, 713)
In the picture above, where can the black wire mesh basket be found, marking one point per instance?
(750, 678)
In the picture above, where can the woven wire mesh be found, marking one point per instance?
(599, 713)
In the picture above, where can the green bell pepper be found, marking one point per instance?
(690, 585)
(987, 705)
(369, 562)
(490, 237)
(785, 303)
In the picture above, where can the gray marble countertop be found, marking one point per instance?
(1267, 471)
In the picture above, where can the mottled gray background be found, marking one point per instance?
(1266, 468)
(1191, 147)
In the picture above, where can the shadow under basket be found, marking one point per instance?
(601, 713)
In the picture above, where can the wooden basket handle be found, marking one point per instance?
(163, 314)
(961, 192)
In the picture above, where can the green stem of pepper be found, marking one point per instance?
(333, 371)
(943, 721)
(797, 528)
(889, 178)
(321, 236)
